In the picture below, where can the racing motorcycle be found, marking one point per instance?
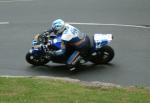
(101, 52)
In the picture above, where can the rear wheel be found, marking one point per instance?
(104, 55)
(36, 60)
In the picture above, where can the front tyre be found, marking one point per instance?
(104, 55)
(36, 60)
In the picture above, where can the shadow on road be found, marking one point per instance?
(62, 71)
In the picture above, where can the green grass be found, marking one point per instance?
(36, 90)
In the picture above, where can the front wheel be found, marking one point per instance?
(103, 56)
(31, 59)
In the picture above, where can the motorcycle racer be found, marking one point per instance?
(72, 40)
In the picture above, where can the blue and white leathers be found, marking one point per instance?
(72, 34)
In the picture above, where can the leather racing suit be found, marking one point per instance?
(74, 45)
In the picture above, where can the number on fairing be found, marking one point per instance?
(74, 31)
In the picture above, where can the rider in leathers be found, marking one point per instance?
(72, 40)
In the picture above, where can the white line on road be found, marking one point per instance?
(11, 76)
(119, 25)
(100, 24)
(4, 23)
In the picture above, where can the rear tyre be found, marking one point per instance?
(37, 61)
(104, 55)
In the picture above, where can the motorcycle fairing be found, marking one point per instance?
(56, 42)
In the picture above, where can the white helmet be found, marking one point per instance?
(58, 26)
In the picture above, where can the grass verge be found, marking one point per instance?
(39, 90)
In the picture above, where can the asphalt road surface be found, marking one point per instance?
(20, 19)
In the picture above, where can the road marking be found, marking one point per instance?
(10, 76)
(11, 1)
(92, 83)
(101, 24)
(119, 25)
(4, 23)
